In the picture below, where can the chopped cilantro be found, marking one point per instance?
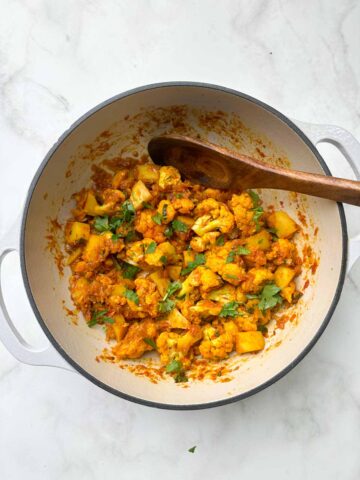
(192, 449)
(181, 377)
(258, 211)
(100, 317)
(131, 295)
(231, 257)
(199, 260)
(163, 259)
(101, 224)
(129, 271)
(172, 288)
(131, 236)
(179, 226)
(151, 248)
(164, 212)
(168, 232)
(229, 310)
(157, 218)
(270, 297)
(147, 205)
(220, 241)
(151, 342)
(255, 198)
(238, 251)
(127, 211)
(116, 263)
(262, 329)
(232, 277)
(175, 366)
(165, 306)
(116, 236)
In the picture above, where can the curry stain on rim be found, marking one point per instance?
(196, 406)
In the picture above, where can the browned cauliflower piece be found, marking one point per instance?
(214, 215)
(199, 244)
(133, 345)
(242, 206)
(145, 224)
(216, 346)
(169, 177)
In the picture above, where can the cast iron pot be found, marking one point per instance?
(75, 347)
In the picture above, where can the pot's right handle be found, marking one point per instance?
(350, 148)
(9, 335)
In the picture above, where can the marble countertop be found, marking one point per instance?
(58, 59)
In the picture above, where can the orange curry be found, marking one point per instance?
(166, 265)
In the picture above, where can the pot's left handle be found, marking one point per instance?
(9, 335)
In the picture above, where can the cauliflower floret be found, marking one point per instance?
(242, 207)
(215, 216)
(206, 308)
(145, 224)
(282, 252)
(98, 248)
(216, 346)
(223, 295)
(200, 277)
(148, 295)
(216, 258)
(183, 205)
(166, 210)
(168, 177)
(199, 244)
(133, 345)
(135, 251)
(174, 346)
(260, 275)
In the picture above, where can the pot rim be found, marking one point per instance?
(56, 345)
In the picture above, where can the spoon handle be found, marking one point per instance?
(332, 188)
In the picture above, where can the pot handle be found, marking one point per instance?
(9, 335)
(350, 148)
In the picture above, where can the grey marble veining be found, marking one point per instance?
(58, 59)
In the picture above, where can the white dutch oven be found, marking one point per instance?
(75, 347)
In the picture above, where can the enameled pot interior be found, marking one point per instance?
(51, 198)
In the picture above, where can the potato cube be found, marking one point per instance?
(283, 276)
(249, 342)
(148, 173)
(76, 232)
(283, 224)
(139, 194)
(174, 272)
(161, 281)
(259, 241)
(95, 249)
(177, 320)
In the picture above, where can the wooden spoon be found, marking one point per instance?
(218, 167)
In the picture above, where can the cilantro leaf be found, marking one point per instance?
(151, 342)
(151, 248)
(129, 271)
(101, 224)
(127, 211)
(229, 309)
(242, 251)
(181, 377)
(131, 295)
(100, 317)
(164, 212)
(199, 260)
(163, 259)
(270, 297)
(172, 288)
(179, 226)
(262, 328)
(192, 449)
(168, 232)
(165, 306)
(254, 197)
(231, 257)
(116, 263)
(220, 241)
(258, 211)
(147, 205)
(238, 251)
(157, 218)
(175, 366)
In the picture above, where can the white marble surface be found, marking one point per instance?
(58, 58)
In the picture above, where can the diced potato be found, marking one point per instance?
(92, 207)
(118, 290)
(177, 319)
(174, 272)
(118, 178)
(148, 173)
(80, 290)
(249, 342)
(189, 256)
(189, 221)
(283, 224)
(74, 255)
(119, 327)
(261, 275)
(139, 194)
(76, 232)
(161, 281)
(95, 249)
(259, 241)
(283, 276)
(288, 292)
